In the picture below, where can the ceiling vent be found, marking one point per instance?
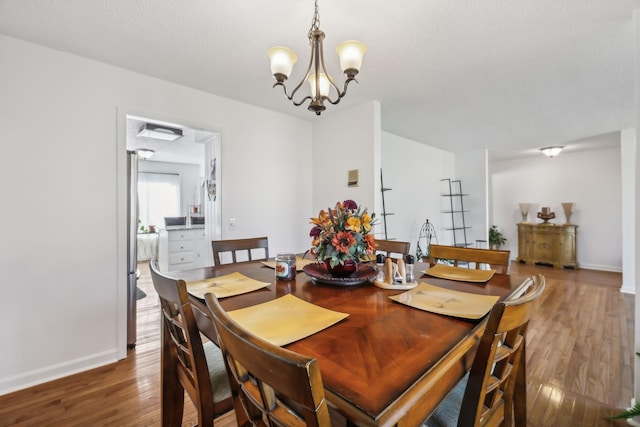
(165, 133)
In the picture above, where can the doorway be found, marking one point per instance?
(190, 164)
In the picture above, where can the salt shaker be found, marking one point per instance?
(380, 267)
(409, 261)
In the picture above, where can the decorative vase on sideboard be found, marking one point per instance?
(568, 210)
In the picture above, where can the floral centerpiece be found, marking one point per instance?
(341, 236)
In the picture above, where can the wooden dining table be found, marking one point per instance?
(386, 363)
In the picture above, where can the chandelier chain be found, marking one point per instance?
(315, 22)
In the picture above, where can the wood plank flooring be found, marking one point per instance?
(579, 362)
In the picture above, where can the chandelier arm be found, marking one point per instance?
(304, 79)
(324, 70)
(302, 101)
(343, 93)
(290, 97)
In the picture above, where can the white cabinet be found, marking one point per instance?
(202, 248)
(182, 249)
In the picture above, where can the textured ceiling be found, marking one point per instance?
(508, 75)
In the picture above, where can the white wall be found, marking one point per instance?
(63, 257)
(343, 140)
(413, 171)
(636, 228)
(472, 170)
(590, 179)
(628, 189)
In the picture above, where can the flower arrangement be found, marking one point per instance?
(342, 234)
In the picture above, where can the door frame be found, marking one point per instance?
(121, 203)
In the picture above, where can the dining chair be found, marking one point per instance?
(485, 396)
(199, 367)
(239, 245)
(393, 246)
(497, 259)
(270, 385)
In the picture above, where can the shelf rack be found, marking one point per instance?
(384, 215)
(453, 191)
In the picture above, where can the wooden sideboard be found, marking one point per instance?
(547, 244)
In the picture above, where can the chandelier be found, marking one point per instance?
(320, 82)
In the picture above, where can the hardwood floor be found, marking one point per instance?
(579, 362)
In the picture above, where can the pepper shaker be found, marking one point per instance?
(380, 267)
(409, 262)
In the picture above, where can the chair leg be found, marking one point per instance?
(520, 391)
(172, 392)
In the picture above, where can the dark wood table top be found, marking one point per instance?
(385, 364)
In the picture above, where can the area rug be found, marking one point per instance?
(140, 293)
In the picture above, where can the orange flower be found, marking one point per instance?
(322, 219)
(342, 241)
(371, 243)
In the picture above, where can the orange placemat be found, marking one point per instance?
(442, 271)
(225, 286)
(286, 319)
(445, 301)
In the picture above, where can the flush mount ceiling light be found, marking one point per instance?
(145, 153)
(551, 151)
(165, 133)
(283, 58)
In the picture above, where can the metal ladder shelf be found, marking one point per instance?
(384, 209)
(453, 191)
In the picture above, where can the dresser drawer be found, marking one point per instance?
(182, 246)
(179, 259)
(180, 235)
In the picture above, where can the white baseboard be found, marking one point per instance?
(53, 372)
(610, 268)
(628, 289)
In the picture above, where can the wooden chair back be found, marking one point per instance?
(239, 245)
(182, 344)
(497, 259)
(393, 247)
(270, 385)
(499, 362)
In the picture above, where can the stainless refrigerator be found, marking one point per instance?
(132, 245)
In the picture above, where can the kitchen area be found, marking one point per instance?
(173, 203)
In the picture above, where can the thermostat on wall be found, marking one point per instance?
(352, 180)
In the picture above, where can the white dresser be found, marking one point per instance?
(182, 248)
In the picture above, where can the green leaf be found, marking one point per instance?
(629, 413)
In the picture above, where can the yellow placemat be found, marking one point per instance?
(225, 286)
(445, 301)
(442, 271)
(300, 263)
(285, 319)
